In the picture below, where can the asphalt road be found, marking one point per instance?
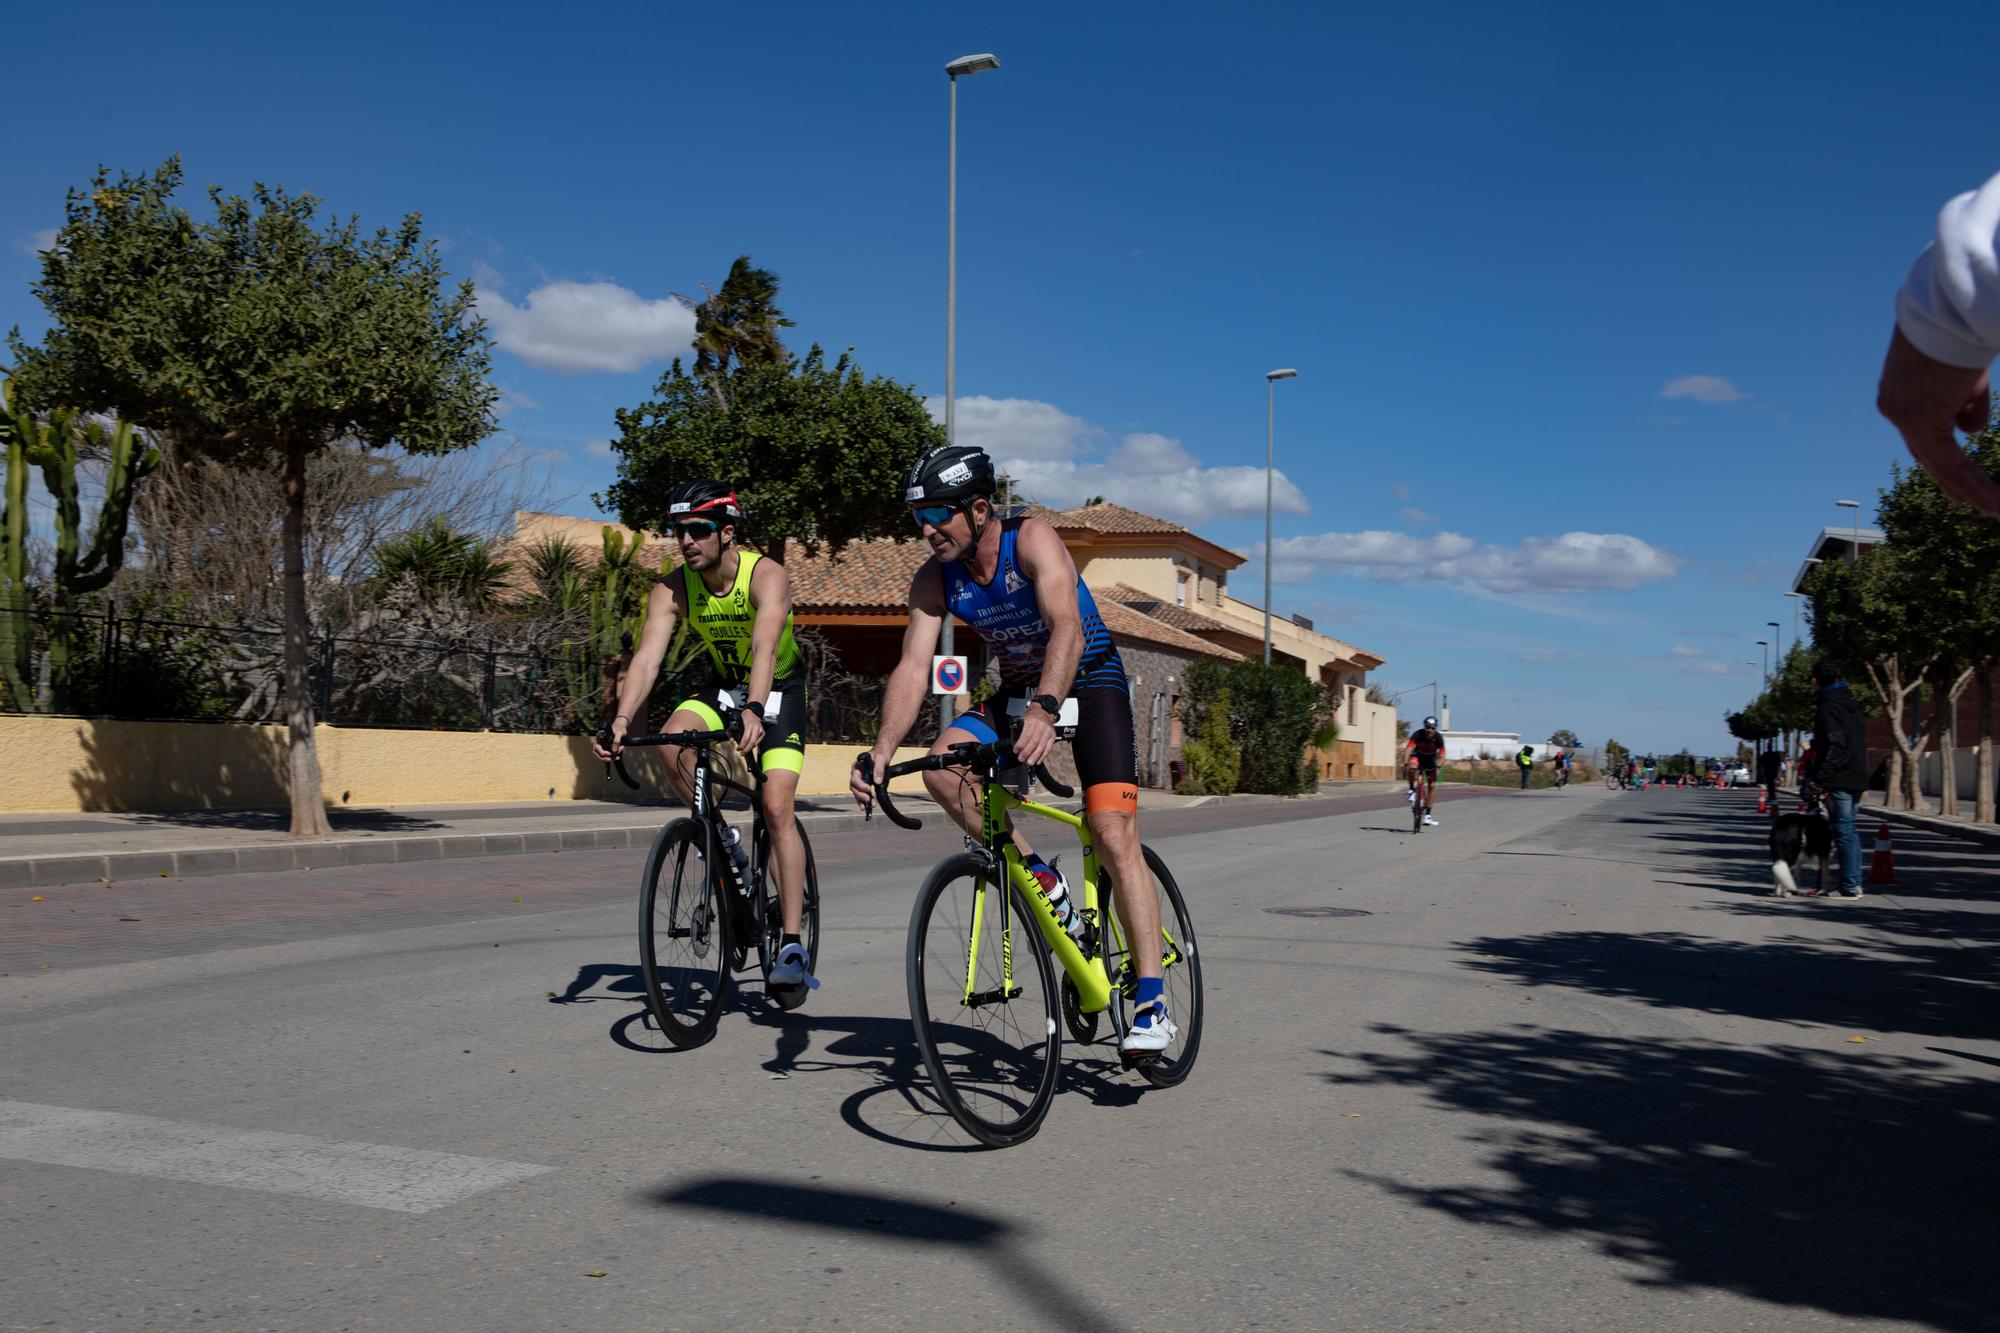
(1558, 1064)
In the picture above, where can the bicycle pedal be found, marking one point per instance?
(1138, 1059)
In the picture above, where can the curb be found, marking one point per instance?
(36, 872)
(1985, 837)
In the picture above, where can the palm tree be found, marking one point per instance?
(738, 324)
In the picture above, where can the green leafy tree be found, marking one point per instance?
(1615, 754)
(1566, 738)
(260, 336)
(442, 565)
(1948, 557)
(817, 452)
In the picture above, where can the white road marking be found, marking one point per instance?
(371, 1175)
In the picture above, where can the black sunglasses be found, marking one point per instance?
(935, 516)
(700, 529)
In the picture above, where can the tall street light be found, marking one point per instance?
(1797, 599)
(1765, 658)
(1778, 643)
(973, 64)
(1853, 551)
(1271, 378)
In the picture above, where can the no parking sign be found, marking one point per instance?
(948, 675)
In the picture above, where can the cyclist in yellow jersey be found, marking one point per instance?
(740, 603)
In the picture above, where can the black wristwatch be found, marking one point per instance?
(1049, 704)
(755, 710)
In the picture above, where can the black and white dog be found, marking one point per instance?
(1794, 837)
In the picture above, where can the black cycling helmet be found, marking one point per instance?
(703, 498)
(1430, 723)
(951, 474)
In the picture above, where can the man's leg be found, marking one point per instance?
(1840, 809)
(679, 759)
(788, 854)
(1116, 832)
(957, 791)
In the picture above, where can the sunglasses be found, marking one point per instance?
(698, 528)
(935, 516)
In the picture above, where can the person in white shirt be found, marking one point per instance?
(1947, 335)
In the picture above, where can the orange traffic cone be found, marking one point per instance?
(1883, 871)
(1761, 807)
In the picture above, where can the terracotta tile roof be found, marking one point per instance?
(865, 576)
(1114, 518)
(1147, 604)
(1125, 623)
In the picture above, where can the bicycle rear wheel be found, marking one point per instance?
(787, 997)
(1180, 972)
(1418, 794)
(683, 935)
(983, 998)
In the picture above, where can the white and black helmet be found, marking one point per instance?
(951, 474)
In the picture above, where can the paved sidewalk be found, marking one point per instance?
(69, 848)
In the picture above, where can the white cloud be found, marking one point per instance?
(37, 241)
(588, 326)
(1573, 562)
(1418, 517)
(1053, 455)
(1706, 667)
(513, 400)
(1703, 389)
(1016, 428)
(1688, 650)
(598, 448)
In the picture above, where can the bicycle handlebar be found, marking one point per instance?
(980, 756)
(694, 740)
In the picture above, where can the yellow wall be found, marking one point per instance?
(1148, 571)
(52, 763)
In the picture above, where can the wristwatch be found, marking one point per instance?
(755, 710)
(1049, 704)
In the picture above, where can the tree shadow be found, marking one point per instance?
(902, 1220)
(1869, 984)
(183, 766)
(1852, 1183)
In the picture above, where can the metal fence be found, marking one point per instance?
(144, 667)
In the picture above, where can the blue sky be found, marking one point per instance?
(1587, 301)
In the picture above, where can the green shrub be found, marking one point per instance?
(1211, 757)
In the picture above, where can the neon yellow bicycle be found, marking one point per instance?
(983, 994)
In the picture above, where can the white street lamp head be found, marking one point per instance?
(1848, 504)
(1763, 643)
(1281, 374)
(1794, 594)
(985, 60)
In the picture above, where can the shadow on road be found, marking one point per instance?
(1843, 1181)
(902, 1220)
(1867, 984)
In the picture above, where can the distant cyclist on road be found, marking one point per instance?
(1425, 746)
(1013, 581)
(740, 604)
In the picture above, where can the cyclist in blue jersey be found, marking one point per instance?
(1013, 582)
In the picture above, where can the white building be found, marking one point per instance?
(1484, 745)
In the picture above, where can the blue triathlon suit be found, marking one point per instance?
(1005, 614)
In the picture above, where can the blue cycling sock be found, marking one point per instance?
(1150, 989)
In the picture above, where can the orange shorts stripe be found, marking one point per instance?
(1111, 796)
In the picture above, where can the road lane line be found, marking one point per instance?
(370, 1175)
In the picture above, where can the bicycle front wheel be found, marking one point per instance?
(1417, 806)
(1610, 783)
(1180, 973)
(984, 1001)
(683, 935)
(788, 997)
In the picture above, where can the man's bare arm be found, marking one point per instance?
(1046, 562)
(771, 590)
(904, 695)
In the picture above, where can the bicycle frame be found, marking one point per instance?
(1092, 982)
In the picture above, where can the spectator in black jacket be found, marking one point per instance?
(1840, 767)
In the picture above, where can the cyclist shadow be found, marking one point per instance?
(637, 1031)
(885, 1049)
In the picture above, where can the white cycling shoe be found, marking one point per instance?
(1150, 1039)
(1432, 822)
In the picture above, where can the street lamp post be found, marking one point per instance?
(1797, 599)
(1271, 379)
(972, 64)
(1764, 664)
(1854, 550)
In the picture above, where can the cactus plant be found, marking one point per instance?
(53, 442)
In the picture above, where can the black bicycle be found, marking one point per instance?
(699, 916)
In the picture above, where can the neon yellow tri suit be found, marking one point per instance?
(726, 623)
